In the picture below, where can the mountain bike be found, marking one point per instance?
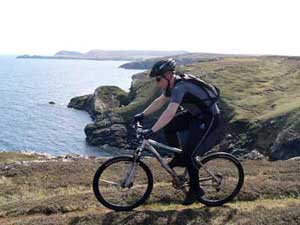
(125, 182)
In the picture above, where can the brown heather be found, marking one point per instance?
(60, 192)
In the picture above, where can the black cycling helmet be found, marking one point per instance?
(162, 66)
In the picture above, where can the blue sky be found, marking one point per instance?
(231, 26)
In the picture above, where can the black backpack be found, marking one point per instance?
(204, 85)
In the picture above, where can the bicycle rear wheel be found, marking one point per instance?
(111, 189)
(221, 176)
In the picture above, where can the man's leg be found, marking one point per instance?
(197, 133)
(179, 123)
(212, 138)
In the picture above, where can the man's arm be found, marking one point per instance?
(156, 105)
(166, 117)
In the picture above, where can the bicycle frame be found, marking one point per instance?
(148, 144)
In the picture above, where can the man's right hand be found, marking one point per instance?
(139, 117)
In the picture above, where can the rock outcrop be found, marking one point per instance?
(112, 111)
(287, 142)
(81, 103)
(111, 131)
(108, 127)
(99, 103)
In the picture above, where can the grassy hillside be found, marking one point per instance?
(60, 192)
(260, 98)
(263, 93)
(257, 88)
(181, 59)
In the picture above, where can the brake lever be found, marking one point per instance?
(136, 125)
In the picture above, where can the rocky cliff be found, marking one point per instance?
(112, 111)
(260, 99)
(108, 127)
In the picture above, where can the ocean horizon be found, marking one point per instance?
(29, 123)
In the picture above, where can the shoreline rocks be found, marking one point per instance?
(108, 127)
(254, 155)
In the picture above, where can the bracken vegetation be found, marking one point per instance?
(60, 192)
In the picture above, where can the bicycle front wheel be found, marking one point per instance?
(221, 176)
(121, 185)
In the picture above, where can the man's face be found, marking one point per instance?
(162, 81)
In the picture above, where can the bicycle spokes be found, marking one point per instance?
(122, 183)
(218, 178)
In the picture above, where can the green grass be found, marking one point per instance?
(106, 93)
(255, 88)
(252, 85)
(257, 91)
(143, 93)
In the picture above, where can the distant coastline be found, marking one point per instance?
(130, 55)
(76, 58)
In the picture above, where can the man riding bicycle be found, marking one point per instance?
(199, 114)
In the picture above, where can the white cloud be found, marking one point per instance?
(232, 26)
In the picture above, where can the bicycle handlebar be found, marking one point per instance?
(138, 126)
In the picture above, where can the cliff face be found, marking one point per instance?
(260, 100)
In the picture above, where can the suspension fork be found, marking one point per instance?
(130, 174)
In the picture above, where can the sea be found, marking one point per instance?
(29, 123)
